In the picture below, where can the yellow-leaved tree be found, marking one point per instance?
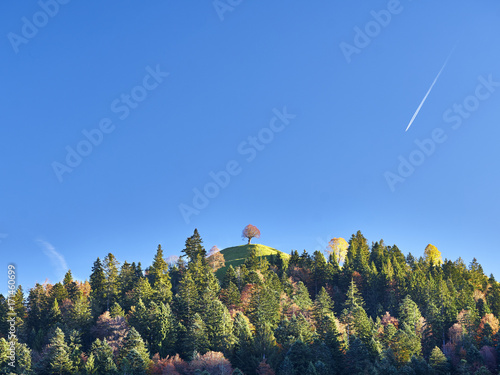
(339, 247)
(433, 255)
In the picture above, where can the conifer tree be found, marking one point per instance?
(103, 358)
(116, 310)
(319, 270)
(133, 353)
(110, 268)
(195, 340)
(54, 313)
(229, 277)
(159, 278)
(98, 288)
(438, 361)
(194, 248)
(58, 361)
(71, 287)
(162, 329)
(139, 319)
(301, 297)
(409, 313)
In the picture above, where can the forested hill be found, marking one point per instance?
(360, 309)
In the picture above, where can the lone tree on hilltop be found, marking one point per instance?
(251, 231)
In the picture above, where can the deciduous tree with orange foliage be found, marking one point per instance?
(251, 231)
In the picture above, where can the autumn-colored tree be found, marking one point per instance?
(214, 363)
(433, 255)
(338, 246)
(215, 259)
(114, 330)
(250, 231)
(488, 326)
(264, 369)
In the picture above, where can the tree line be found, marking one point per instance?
(375, 312)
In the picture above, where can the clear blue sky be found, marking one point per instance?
(323, 174)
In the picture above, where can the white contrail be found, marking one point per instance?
(429, 91)
(56, 258)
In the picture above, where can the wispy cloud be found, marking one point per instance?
(55, 257)
(2, 236)
(430, 89)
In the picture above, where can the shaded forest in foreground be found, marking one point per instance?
(360, 310)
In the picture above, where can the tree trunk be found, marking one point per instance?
(249, 240)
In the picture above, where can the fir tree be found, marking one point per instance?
(229, 277)
(110, 268)
(194, 248)
(58, 360)
(159, 278)
(103, 358)
(98, 285)
(438, 361)
(133, 353)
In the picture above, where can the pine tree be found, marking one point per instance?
(58, 357)
(127, 280)
(354, 315)
(98, 285)
(162, 324)
(195, 339)
(194, 248)
(103, 358)
(409, 313)
(71, 287)
(89, 366)
(186, 300)
(133, 353)
(244, 341)
(159, 278)
(300, 356)
(252, 262)
(54, 313)
(139, 318)
(319, 270)
(219, 325)
(110, 268)
(323, 305)
(438, 361)
(116, 310)
(142, 291)
(358, 252)
(229, 277)
(301, 297)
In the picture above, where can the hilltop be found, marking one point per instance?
(236, 255)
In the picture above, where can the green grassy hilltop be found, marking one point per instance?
(236, 255)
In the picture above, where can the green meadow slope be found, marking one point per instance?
(236, 255)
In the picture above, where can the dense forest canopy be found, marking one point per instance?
(376, 312)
